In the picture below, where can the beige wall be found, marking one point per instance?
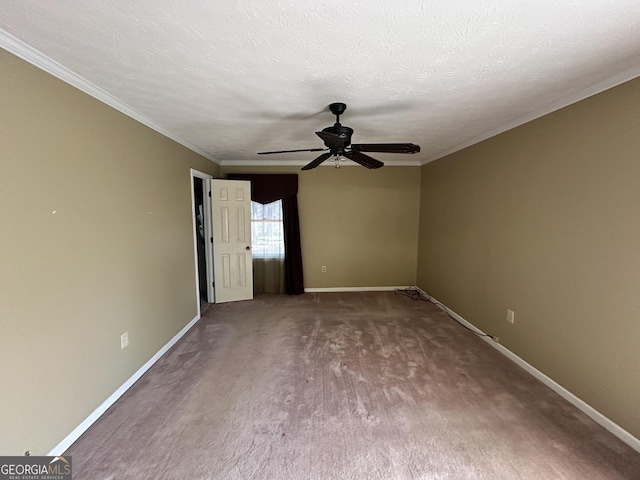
(95, 239)
(545, 220)
(361, 224)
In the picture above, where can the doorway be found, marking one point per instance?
(202, 235)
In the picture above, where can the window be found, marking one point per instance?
(267, 233)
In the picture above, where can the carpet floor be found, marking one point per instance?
(323, 386)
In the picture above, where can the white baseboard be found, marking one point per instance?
(104, 406)
(352, 289)
(591, 412)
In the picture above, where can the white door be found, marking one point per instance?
(232, 266)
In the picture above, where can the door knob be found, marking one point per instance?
(248, 248)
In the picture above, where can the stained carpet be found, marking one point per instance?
(342, 386)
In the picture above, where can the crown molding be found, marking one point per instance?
(38, 59)
(575, 97)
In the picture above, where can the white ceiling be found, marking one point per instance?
(233, 77)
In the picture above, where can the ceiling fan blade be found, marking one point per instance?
(331, 140)
(386, 147)
(291, 151)
(364, 160)
(317, 161)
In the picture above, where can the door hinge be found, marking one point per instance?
(209, 193)
(211, 238)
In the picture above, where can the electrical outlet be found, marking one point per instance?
(511, 316)
(324, 269)
(124, 340)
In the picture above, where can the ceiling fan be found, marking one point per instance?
(337, 140)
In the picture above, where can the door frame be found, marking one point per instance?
(208, 234)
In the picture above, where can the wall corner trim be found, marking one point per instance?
(104, 406)
(587, 409)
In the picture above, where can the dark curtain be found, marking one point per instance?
(267, 188)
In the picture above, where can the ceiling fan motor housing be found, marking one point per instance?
(341, 131)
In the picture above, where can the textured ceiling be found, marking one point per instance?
(234, 77)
